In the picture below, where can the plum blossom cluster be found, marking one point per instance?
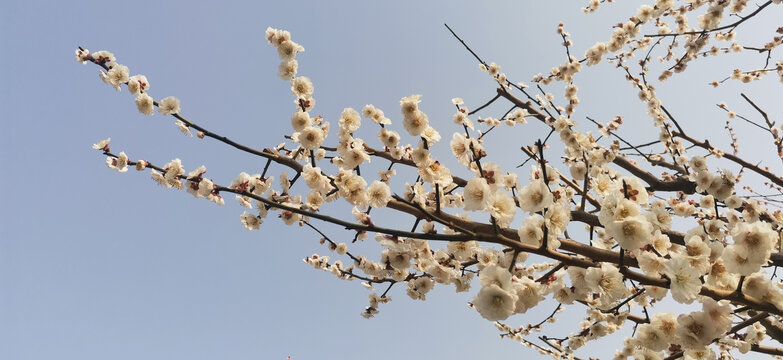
(308, 132)
(685, 235)
(116, 75)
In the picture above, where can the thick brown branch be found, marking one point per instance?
(675, 237)
(774, 331)
(766, 350)
(509, 237)
(707, 146)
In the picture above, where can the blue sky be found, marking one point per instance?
(96, 264)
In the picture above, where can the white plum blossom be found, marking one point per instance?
(462, 283)
(399, 258)
(492, 173)
(650, 263)
(596, 53)
(528, 293)
(302, 87)
(414, 121)
(436, 173)
(314, 179)
(352, 188)
(477, 194)
(632, 232)
(607, 281)
(350, 120)
(288, 49)
(259, 185)
(119, 163)
(378, 194)
(141, 165)
(116, 76)
(431, 135)
(756, 239)
(311, 137)
(194, 177)
(371, 112)
(138, 84)
(421, 156)
(738, 261)
(705, 353)
(168, 106)
(389, 138)
(183, 128)
(285, 182)
(290, 217)
(495, 275)
(494, 303)
(563, 293)
(287, 69)
(352, 156)
(510, 181)
(626, 208)
(418, 288)
(103, 57)
(83, 55)
(636, 190)
(276, 36)
(462, 250)
(145, 104)
(684, 279)
(695, 330)
(535, 196)
(410, 104)
(205, 188)
(300, 120)
(720, 313)
(531, 232)
(557, 218)
(250, 221)
(314, 200)
(102, 145)
(461, 148)
(461, 118)
(659, 333)
(171, 178)
(712, 18)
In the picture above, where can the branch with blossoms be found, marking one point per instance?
(172, 174)
(662, 229)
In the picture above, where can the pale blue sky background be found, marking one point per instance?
(100, 265)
